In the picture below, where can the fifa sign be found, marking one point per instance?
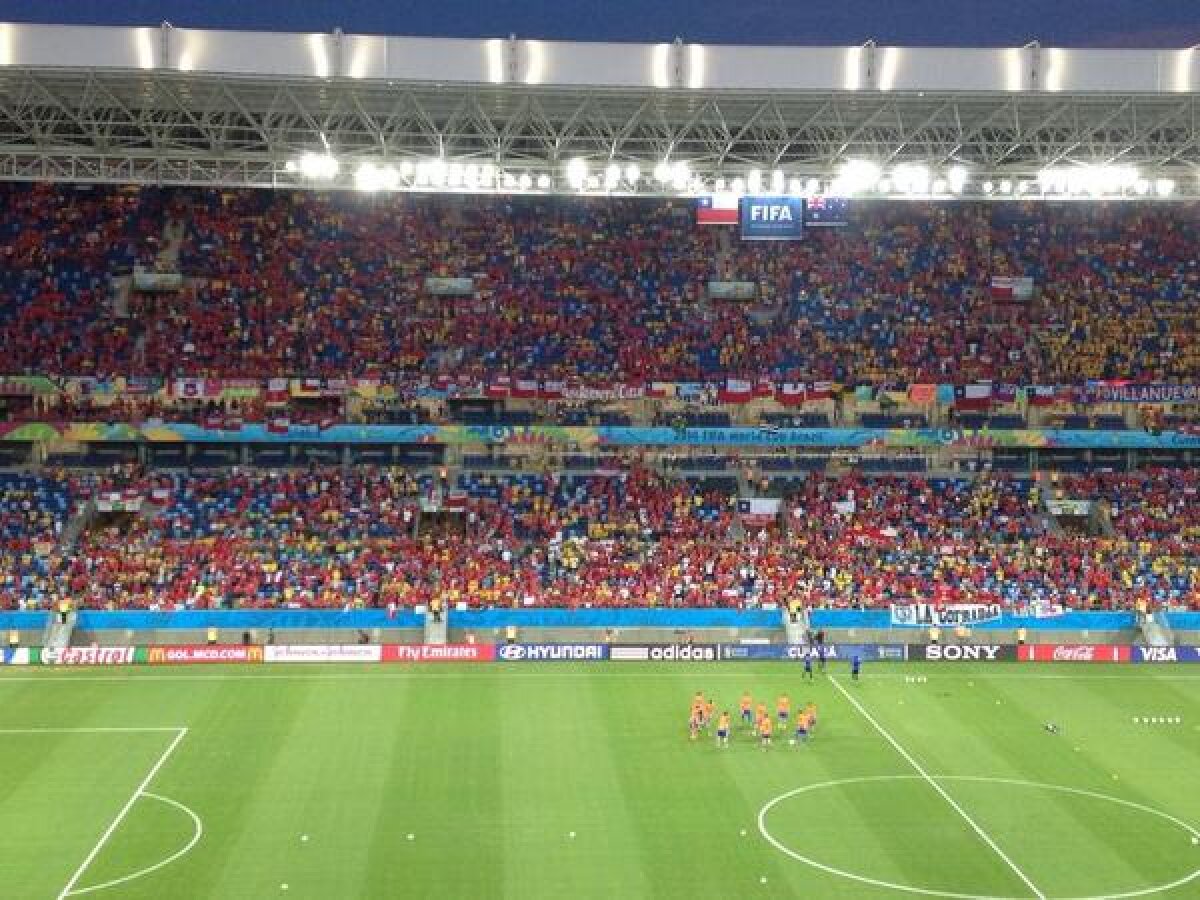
(772, 218)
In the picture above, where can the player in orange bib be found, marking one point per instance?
(747, 711)
(783, 708)
(803, 727)
(764, 732)
(723, 729)
(709, 706)
(695, 721)
(760, 713)
(810, 710)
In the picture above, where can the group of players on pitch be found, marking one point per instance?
(754, 717)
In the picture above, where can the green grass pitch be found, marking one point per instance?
(560, 780)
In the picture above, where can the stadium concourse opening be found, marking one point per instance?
(490, 507)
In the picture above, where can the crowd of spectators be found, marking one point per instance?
(379, 538)
(333, 285)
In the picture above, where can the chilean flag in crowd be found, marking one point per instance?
(717, 209)
(735, 390)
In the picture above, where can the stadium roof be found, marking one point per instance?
(168, 105)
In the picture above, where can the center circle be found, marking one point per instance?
(1010, 782)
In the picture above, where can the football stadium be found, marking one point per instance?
(447, 467)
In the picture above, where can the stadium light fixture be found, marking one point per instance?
(720, 185)
(957, 176)
(454, 175)
(1164, 187)
(509, 181)
(681, 176)
(812, 187)
(854, 177)
(754, 181)
(940, 185)
(777, 181)
(322, 166)
(407, 168)
(470, 176)
(1142, 186)
(662, 172)
(366, 178)
(577, 173)
(487, 174)
(632, 173)
(988, 187)
(911, 178)
(438, 172)
(290, 166)
(612, 176)
(884, 186)
(739, 186)
(795, 186)
(1006, 186)
(593, 182)
(543, 181)
(525, 181)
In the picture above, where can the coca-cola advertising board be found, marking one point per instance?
(1075, 653)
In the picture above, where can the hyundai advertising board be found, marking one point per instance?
(771, 218)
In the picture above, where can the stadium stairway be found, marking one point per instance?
(435, 628)
(58, 634)
(1155, 632)
(796, 629)
(77, 524)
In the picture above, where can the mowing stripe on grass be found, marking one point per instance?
(180, 734)
(908, 757)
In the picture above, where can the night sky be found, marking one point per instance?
(1070, 23)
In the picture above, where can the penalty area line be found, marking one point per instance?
(180, 734)
(920, 770)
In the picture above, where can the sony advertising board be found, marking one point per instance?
(962, 652)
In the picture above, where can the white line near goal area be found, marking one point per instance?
(908, 757)
(180, 734)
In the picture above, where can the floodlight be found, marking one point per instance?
(577, 173)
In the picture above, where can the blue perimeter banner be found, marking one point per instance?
(838, 652)
(551, 652)
(1166, 654)
(771, 218)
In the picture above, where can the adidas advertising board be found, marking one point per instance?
(665, 653)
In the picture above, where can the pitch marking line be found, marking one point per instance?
(197, 833)
(987, 839)
(180, 734)
(982, 779)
